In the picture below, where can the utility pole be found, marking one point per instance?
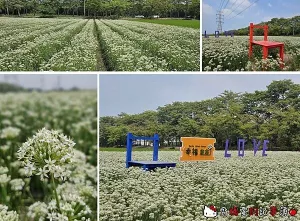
(6, 78)
(7, 10)
(58, 85)
(42, 82)
(220, 21)
(84, 8)
(16, 79)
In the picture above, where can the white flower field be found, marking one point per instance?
(181, 193)
(32, 44)
(48, 163)
(231, 54)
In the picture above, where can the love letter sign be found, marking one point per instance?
(241, 147)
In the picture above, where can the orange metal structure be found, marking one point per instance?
(197, 149)
(265, 43)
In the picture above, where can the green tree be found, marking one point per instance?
(117, 135)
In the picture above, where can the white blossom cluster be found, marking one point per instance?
(76, 210)
(10, 132)
(47, 152)
(73, 197)
(6, 215)
(231, 54)
(4, 179)
(17, 184)
(182, 192)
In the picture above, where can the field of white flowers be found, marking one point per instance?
(48, 156)
(181, 193)
(137, 46)
(32, 44)
(231, 54)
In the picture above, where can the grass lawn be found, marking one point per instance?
(123, 149)
(176, 22)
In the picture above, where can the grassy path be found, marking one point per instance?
(175, 22)
(101, 64)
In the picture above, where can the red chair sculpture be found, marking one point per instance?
(265, 43)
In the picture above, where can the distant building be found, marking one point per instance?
(139, 16)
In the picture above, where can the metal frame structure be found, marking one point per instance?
(265, 43)
(146, 165)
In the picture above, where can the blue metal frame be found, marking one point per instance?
(229, 33)
(131, 138)
(205, 35)
(217, 34)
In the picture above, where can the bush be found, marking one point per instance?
(6, 87)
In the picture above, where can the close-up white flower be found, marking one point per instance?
(47, 152)
(48, 166)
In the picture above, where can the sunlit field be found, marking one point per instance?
(182, 192)
(44, 44)
(231, 54)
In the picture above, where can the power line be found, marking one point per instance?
(232, 5)
(236, 8)
(244, 9)
(221, 4)
(226, 4)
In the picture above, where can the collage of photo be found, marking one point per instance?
(149, 110)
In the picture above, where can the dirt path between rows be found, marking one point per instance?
(100, 59)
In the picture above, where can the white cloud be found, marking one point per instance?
(207, 9)
(267, 18)
(269, 4)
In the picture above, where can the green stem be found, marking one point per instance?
(4, 193)
(55, 193)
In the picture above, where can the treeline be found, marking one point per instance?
(105, 8)
(272, 114)
(8, 87)
(277, 27)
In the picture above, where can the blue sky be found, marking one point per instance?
(140, 92)
(263, 10)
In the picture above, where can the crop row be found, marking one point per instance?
(30, 55)
(149, 47)
(79, 55)
(18, 38)
(89, 45)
